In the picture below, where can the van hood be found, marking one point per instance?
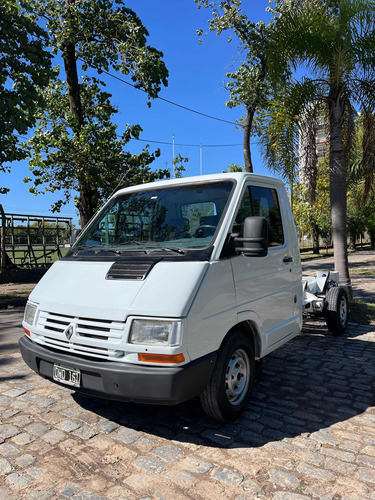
(81, 289)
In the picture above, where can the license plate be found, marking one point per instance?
(66, 375)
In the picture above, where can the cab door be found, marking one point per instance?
(264, 285)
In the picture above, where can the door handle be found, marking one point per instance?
(287, 259)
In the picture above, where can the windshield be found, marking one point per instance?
(179, 217)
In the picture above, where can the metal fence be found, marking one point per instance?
(33, 241)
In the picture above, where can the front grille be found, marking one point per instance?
(91, 337)
(129, 271)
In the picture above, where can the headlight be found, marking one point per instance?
(30, 311)
(148, 332)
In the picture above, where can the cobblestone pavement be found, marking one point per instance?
(308, 432)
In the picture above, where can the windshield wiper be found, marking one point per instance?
(96, 249)
(151, 246)
(170, 249)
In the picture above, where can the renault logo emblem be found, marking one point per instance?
(69, 332)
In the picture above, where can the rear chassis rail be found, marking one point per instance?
(323, 296)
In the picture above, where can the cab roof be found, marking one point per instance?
(240, 177)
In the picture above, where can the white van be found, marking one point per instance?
(176, 289)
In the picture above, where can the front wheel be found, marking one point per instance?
(229, 389)
(336, 310)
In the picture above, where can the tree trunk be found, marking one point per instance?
(291, 187)
(70, 65)
(86, 203)
(315, 238)
(246, 140)
(338, 190)
(312, 195)
(2, 241)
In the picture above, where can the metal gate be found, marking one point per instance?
(33, 241)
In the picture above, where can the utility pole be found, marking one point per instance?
(173, 157)
(201, 160)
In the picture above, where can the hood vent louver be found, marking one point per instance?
(136, 271)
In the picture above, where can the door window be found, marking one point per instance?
(261, 201)
(266, 204)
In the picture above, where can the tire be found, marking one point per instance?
(336, 310)
(228, 392)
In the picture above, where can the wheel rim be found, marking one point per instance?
(237, 377)
(343, 311)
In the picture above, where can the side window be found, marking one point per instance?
(266, 204)
(245, 210)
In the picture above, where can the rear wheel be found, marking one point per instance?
(229, 389)
(336, 310)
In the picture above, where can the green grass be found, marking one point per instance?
(362, 312)
(39, 255)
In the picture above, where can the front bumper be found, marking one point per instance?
(125, 382)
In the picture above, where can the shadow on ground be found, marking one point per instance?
(22, 275)
(6, 362)
(308, 385)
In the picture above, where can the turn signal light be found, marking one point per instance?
(27, 332)
(161, 358)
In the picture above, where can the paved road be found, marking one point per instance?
(308, 432)
(10, 329)
(358, 259)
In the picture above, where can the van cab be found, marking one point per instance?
(175, 289)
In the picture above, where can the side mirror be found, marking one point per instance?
(255, 237)
(74, 236)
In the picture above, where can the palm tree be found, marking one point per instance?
(334, 41)
(361, 174)
(278, 131)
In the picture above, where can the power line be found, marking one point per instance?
(188, 145)
(171, 143)
(165, 100)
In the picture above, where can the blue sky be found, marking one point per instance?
(196, 80)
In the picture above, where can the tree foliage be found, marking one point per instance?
(248, 85)
(310, 213)
(178, 163)
(234, 167)
(25, 66)
(104, 35)
(334, 41)
(279, 134)
(94, 160)
(361, 171)
(81, 150)
(288, 131)
(311, 197)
